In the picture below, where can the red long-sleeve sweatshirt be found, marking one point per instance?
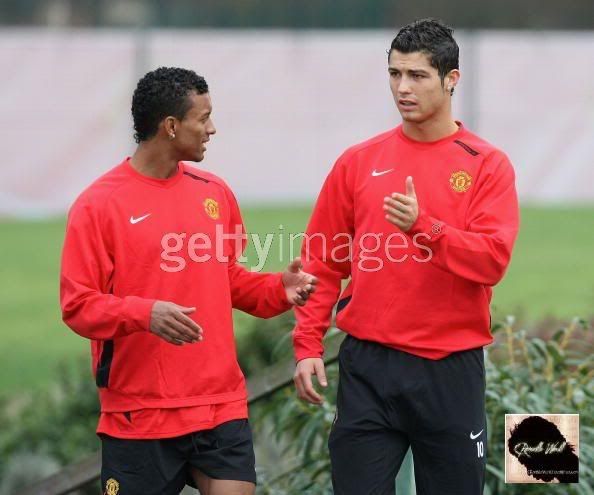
(132, 240)
(426, 291)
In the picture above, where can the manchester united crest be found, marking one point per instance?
(461, 181)
(211, 207)
(112, 487)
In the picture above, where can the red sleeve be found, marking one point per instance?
(259, 294)
(481, 251)
(326, 254)
(88, 307)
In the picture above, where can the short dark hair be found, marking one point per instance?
(432, 37)
(160, 93)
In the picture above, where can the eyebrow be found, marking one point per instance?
(412, 71)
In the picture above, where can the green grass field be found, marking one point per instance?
(552, 274)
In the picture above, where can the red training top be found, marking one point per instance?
(427, 291)
(132, 240)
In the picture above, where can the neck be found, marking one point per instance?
(154, 160)
(432, 129)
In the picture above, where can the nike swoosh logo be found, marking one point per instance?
(375, 173)
(474, 437)
(139, 219)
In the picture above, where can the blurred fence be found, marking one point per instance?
(286, 104)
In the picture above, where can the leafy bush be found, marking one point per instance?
(54, 427)
(530, 375)
(261, 343)
(20, 468)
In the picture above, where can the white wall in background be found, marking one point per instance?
(286, 104)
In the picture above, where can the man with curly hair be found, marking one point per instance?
(150, 275)
(436, 206)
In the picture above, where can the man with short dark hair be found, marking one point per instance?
(150, 275)
(437, 206)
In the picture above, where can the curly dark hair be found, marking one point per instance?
(432, 37)
(160, 93)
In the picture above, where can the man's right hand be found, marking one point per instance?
(170, 322)
(303, 382)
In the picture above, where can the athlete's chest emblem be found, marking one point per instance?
(376, 173)
(211, 207)
(134, 221)
(460, 181)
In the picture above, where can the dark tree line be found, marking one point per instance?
(299, 14)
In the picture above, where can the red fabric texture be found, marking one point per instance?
(428, 305)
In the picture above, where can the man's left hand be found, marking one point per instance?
(298, 284)
(402, 210)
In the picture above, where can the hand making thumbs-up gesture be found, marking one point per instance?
(402, 210)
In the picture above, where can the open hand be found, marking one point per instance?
(298, 284)
(172, 323)
(305, 369)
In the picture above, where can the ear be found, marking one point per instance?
(451, 80)
(168, 124)
(168, 127)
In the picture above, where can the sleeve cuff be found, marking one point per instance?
(141, 314)
(431, 228)
(307, 349)
(280, 294)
